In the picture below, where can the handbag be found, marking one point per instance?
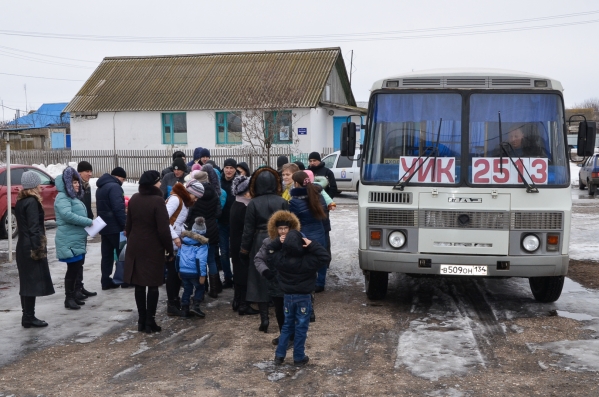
(119, 271)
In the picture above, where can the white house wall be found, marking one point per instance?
(143, 130)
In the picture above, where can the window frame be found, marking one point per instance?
(172, 127)
(226, 128)
(275, 113)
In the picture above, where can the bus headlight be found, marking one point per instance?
(397, 239)
(531, 243)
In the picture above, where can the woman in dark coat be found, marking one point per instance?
(32, 261)
(148, 237)
(209, 208)
(241, 190)
(265, 189)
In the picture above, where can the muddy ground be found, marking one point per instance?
(429, 337)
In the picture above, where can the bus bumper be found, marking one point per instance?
(519, 266)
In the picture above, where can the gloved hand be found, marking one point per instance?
(268, 274)
(244, 258)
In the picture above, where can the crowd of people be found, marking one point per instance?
(268, 232)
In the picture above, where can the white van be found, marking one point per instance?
(346, 170)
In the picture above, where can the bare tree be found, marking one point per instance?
(591, 103)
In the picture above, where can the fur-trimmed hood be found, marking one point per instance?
(64, 184)
(282, 215)
(195, 236)
(265, 181)
(179, 190)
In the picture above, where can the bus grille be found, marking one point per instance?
(487, 220)
(537, 221)
(390, 197)
(385, 217)
(497, 82)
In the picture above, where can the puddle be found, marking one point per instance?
(575, 316)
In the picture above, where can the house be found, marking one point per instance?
(214, 101)
(46, 128)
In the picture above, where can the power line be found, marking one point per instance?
(343, 37)
(46, 55)
(27, 58)
(38, 77)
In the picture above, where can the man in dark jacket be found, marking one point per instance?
(226, 180)
(85, 171)
(319, 169)
(178, 175)
(177, 154)
(110, 204)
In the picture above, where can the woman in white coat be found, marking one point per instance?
(177, 206)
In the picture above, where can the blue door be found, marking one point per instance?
(68, 136)
(57, 140)
(338, 125)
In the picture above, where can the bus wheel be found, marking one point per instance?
(376, 285)
(546, 289)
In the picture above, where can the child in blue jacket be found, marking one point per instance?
(191, 266)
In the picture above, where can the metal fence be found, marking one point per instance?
(135, 162)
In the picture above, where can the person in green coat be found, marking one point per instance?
(71, 237)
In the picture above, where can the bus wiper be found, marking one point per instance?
(529, 188)
(434, 150)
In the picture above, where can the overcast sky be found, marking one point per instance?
(552, 38)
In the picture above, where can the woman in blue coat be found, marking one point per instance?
(71, 237)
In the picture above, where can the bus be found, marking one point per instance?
(465, 173)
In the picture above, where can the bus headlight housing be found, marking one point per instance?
(531, 243)
(397, 239)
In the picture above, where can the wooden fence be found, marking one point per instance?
(135, 162)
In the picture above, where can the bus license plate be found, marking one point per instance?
(462, 270)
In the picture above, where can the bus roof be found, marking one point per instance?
(468, 78)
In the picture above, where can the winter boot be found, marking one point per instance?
(173, 307)
(29, 320)
(235, 303)
(88, 293)
(185, 311)
(152, 303)
(263, 307)
(213, 289)
(140, 301)
(244, 307)
(195, 309)
(79, 295)
(69, 291)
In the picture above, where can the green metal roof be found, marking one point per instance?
(296, 78)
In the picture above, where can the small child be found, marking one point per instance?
(296, 260)
(191, 266)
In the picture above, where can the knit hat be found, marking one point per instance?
(240, 185)
(230, 163)
(310, 175)
(196, 167)
(179, 164)
(204, 153)
(149, 178)
(30, 180)
(244, 166)
(119, 171)
(201, 176)
(282, 160)
(178, 154)
(300, 165)
(199, 226)
(314, 156)
(195, 187)
(84, 166)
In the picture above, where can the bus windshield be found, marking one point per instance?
(406, 128)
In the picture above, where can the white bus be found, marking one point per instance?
(465, 173)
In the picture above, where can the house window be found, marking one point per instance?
(228, 128)
(279, 123)
(174, 128)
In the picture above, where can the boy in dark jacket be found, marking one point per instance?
(296, 260)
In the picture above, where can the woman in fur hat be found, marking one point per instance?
(265, 189)
(71, 237)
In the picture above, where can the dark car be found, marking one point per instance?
(47, 188)
(588, 176)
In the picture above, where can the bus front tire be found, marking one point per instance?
(546, 289)
(376, 285)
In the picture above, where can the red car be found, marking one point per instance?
(48, 192)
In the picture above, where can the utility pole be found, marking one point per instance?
(351, 66)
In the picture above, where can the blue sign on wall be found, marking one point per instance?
(302, 131)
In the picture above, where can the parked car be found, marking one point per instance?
(346, 170)
(588, 176)
(48, 193)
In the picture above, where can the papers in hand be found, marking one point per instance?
(97, 225)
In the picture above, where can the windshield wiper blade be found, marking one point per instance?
(434, 150)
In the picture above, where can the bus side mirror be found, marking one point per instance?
(587, 130)
(348, 139)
